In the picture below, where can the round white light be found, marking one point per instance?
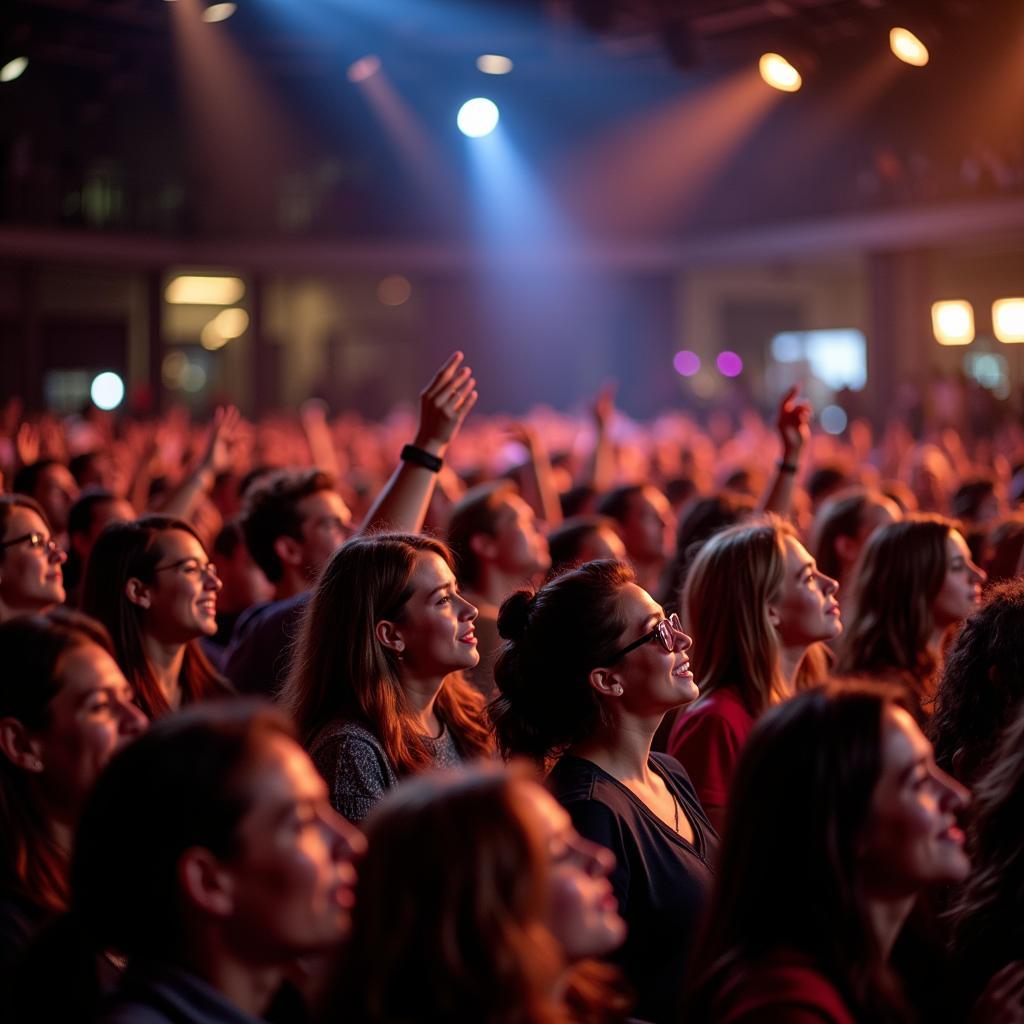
(833, 419)
(364, 68)
(494, 64)
(107, 390)
(13, 69)
(219, 12)
(478, 117)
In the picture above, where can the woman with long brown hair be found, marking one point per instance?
(757, 604)
(65, 707)
(376, 691)
(913, 582)
(153, 586)
(839, 818)
(31, 575)
(478, 901)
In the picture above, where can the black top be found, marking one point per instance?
(661, 881)
(260, 653)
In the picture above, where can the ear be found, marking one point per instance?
(288, 550)
(773, 616)
(137, 592)
(389, 636)
(484, 546)
(205, 883)
(605, 682)
(19, 746)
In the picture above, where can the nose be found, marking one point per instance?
(347, 842)
(469, 611)
(600, 860)
(978, 573)
(211, 581)
(55, 553)
(829, 586)
(683, 640)
(133, 720)
(955, 796)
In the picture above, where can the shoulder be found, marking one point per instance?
(721, 713)
(346, 738)
(785, 987)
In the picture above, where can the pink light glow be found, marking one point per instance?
(686, 363)
(729, 364)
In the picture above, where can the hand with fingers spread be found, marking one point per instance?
(444, 404)
(793, 423)
(1002, 1002)
(219, 447)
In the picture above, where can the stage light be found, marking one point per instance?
(779, 73)
(686, 363)
(231, 323)
(173, 368)
(953, 322)
(364, 68)
(478, 117)
(394, 290)
(13, 69)
(833, 419)
(204, 291)
(107, 391)
(1008, 320)
(905, 45)
(729, 364)
(494, 64)
(193, 379)
(219, 12)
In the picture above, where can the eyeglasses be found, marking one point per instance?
(191, 567)
(665, 632)
(35, 541)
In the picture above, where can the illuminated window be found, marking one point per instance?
(837, 357)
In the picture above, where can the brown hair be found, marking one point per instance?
(35, 649)
(124, 550)
(733, 579)
(842, 515)
(452, 901)
(9, 502)
(342, 671)
(475, 513)
(890, 622)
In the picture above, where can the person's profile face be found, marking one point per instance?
(326, 523)
(806, 609)
(31, 578)
(521, 550)
(960, 594)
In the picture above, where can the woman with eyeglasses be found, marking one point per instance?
(152, 584)
(757, 603)
(65, 707)
(31, 579)
(589, 669)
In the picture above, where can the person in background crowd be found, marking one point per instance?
(376, 690)
(65, 708)
(644, 520)
(152, 585)
(479, 895)
(589, 668)
(51, 484)
(842, 526)
(584, 539)
(758, 603)
(31, 577)
(915, 579)
(243, 584)
(93, 510)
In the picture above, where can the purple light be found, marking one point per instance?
(729, 364)
(686, 363)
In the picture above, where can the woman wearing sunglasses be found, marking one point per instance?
(151, 583)
(31, 579)
(590, 667)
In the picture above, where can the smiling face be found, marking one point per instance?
(31, 579)
(960, 594)
(293, 878)
(582, 911)
(180, 604)
(912, 839)
(653, 680)
(805, 610)
(90, 718)
(435, 629)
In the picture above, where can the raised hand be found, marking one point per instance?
(444, 404)
(793, 423)
(217, 458)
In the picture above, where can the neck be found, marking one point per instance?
(789, 664)
(247, 986)
(8, 612)
(421, 696)
(887, 917)
(494, 586)
(622, 748)
(166, 659)
(291, 584)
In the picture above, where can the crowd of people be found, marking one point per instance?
(449, 718)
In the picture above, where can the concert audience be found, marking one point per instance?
(31, 578)
(589, 668)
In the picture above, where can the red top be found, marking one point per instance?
(708, 739)
(784, 988)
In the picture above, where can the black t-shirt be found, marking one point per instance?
(661, 881)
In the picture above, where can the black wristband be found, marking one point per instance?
(410, 453)
(784, 467)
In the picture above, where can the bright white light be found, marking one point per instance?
(1008, 320)
(478, 117)
(194, 378)
(107, 391)
(836, 356)
(833, 419)
(232, 323)
(905, 45)
(13, 69)
(779, 73)
(953, 322)
(787, 348)
(219, 12)
(204, 291)
(364, 68)
(494, 64)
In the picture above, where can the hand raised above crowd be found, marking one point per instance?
(444, 405)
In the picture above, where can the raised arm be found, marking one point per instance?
(540, 491)
(444, 404)
(600, 469)
(794, 432)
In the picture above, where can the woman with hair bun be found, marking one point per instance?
(913, 582)
(478, 901)
(590, 667)
(758, 605)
